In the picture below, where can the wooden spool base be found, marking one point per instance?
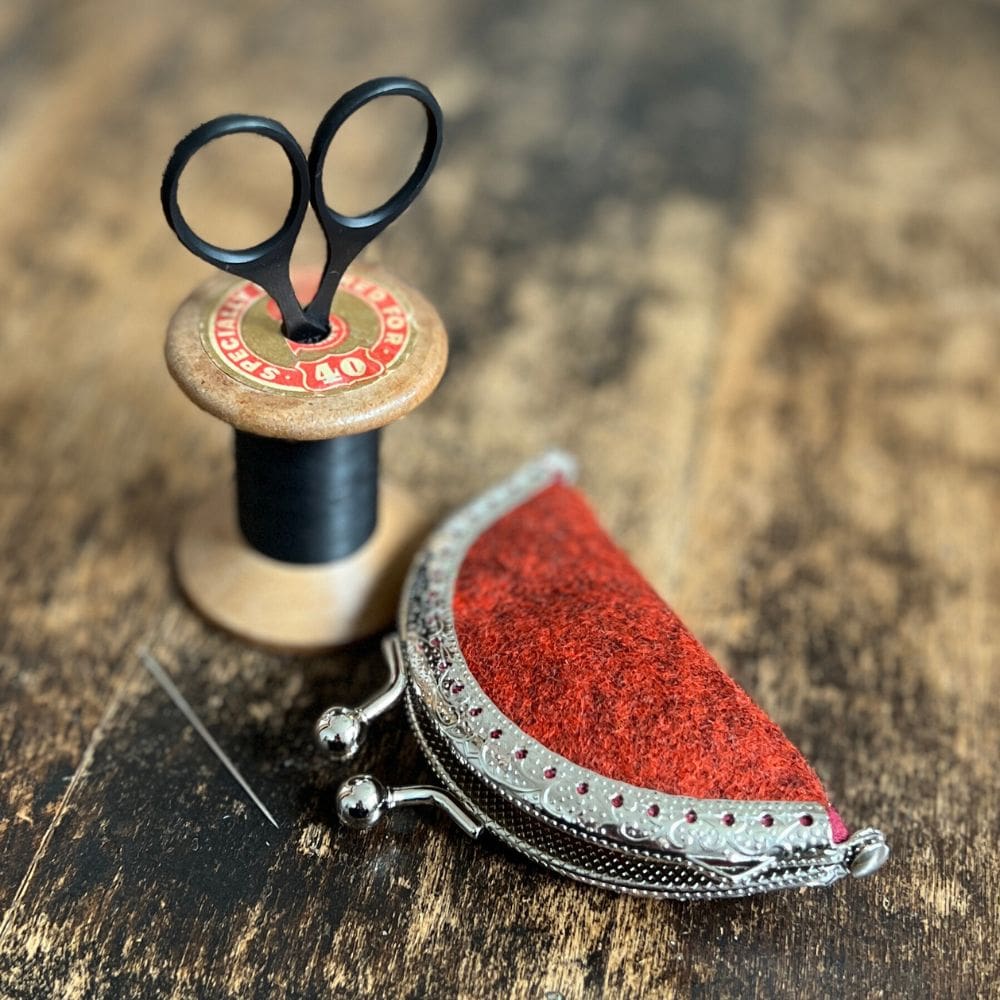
(297, 609)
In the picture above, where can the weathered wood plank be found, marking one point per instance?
(743, 262)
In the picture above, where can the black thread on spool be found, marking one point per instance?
(307, 501)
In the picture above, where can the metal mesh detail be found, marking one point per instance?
(590, 859)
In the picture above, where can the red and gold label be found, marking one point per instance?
(370, 333)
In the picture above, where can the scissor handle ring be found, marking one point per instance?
(378, 218)
(276, 249)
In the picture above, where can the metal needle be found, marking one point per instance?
(161, 677)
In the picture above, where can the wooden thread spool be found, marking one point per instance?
(385, 354)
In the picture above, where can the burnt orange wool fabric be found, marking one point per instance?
(575, 647)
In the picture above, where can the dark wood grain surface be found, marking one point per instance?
(742, 259)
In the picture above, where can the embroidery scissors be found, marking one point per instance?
(267, 263)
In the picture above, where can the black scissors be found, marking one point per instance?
(267, 263)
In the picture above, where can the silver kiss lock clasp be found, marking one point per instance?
(341, 730)
(363, 800)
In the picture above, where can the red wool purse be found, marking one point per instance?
(568, 711)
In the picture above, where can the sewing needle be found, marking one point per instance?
(161, 677)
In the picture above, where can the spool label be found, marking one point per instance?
(370, 332)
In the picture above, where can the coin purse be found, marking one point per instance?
(567, 711)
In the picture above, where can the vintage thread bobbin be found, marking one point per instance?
(304, 549)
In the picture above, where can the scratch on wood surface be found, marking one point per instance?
(79, 775)
(315, 840)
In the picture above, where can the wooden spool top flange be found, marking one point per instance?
(386, 353)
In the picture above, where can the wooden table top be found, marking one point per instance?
(742, 260)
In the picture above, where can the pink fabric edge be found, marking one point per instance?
(838, 828)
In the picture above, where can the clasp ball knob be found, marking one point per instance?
(341, 731)
(362, 801)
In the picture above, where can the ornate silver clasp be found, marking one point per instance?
(363, 800)
(341, 730)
